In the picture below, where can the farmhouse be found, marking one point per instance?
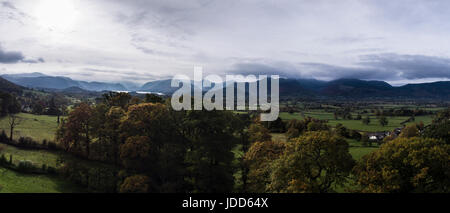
(377, 136)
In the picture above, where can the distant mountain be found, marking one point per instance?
(356, 88)
(440, 89)
(9, 87)
(311, 88)
(340, 88)
(161, 86)
(312, 84)
(39, 80)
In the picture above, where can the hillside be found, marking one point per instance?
(9, 87)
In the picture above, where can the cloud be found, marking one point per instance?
(386, 66)
(10, 57)
(8, 5)
(373, 39)
(282, 69)
(409, 66)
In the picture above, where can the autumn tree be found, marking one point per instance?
(152, 131)
(259, 159)
(296, 127)
(406, 165)
(119, 99)
(313, 162)
(152, 98)
(258, 132)
(75, 133)
(409, 131)
(135, 184)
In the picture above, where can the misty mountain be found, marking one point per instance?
(340, 88)
(356, 88)
(161, 86)
(39, 80)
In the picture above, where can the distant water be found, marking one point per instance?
(140, 92)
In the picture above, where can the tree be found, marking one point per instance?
(120, 99)
(155, 145)
(211, 136)
(366, 120)
(135, 154)
(13, 121)
(383, 120)
(258, 132)
(152, 98)
(259, 159)
(135, 184)
(76, 132)
(440, 127)
(314, 163)
(342, 131)
(405, 165)
(8, 104)
(409, 131)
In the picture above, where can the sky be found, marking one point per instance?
(402, 41)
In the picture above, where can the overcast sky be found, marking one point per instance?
(138, 41)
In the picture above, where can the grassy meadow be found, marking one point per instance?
(37, 157)
(14, 182)
(38, 127)
(374, 125)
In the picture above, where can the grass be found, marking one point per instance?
(13, 182)
(374, 126)
(38, 157)
(38, 127)
(357, 150)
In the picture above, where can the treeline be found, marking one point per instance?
(155, 148)
(9, 104)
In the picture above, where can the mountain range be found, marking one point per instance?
(39, 80)
(340, 88)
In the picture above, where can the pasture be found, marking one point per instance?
(14, 182)
(37, 157)
(38, 127)
(374, 125)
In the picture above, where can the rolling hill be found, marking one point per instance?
(9, 87)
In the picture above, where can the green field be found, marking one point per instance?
(37, 157)
(38, 127)
(374, 125)
(13, 182)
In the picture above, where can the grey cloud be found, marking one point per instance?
(409, 66)
(8, 5)
(386, 66)
(281, 68)
(10, 57)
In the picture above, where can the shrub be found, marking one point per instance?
(4, 137)
(26, 166)
(51, 170)
(3, 160)
(27, 142)
(51, 145)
